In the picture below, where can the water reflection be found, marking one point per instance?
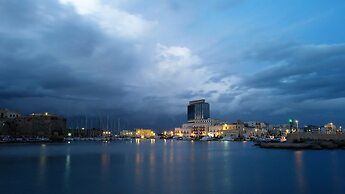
(67, 169)
(42, 165)
(137, 141)
(138, 173)
(105, 160)
(169, 166)
(299, 170)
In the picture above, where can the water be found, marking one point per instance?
(168, 166)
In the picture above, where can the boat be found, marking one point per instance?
(227, 138)
(206, 138)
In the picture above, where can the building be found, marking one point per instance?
(126, 133)
(144, 133)
(8, 114)
(201, 127)
(184, 131)
(199, 121)
(198, 109)
(330, 128)
(312, 129)
(36, 125)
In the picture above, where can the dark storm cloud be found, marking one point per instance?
(304, 81)
(304, 71)
(53, 58)
(49, 51)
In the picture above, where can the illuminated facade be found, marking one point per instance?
(144, 133)
(330, 128)
(226, 129)
(183, 132)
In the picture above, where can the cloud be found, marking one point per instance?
(296, 79)
(309, 71)
(143, 61)
(66, 62)
(114, 21)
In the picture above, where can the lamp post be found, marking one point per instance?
(297, 125)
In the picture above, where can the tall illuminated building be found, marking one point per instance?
(198, 109)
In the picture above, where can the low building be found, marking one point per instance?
(312, 128)
(144, 133)
(330, 128)
(183, 131)
(126, 133)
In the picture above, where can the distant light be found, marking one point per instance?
(68, 142)
(82, 128)
(46, 113)
(69, 134)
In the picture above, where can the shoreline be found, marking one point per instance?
(303, 146)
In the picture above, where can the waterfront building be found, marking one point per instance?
(126, 133)
(199, 121)
(8, 114)
(330, 128)
(144, 133)
(311, 129)
(37, 124)
(198, 110)
(201, 127)
(168, 134)
(184, 131)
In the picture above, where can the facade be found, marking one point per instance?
(199, 121)
(126, 133)
(184, 131)
(8, 114)
(201, 127)
(330, 128)
(312, 129)
(198, 109)
(144, 133)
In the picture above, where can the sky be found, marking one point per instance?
(140, 62)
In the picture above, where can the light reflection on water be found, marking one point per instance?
(168, 166)
(67, 169)
(299, 170)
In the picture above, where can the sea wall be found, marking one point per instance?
(301, 136)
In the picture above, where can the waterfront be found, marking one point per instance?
(168, 166)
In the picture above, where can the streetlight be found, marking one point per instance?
(297, 125)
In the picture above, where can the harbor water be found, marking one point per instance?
(168, 166)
